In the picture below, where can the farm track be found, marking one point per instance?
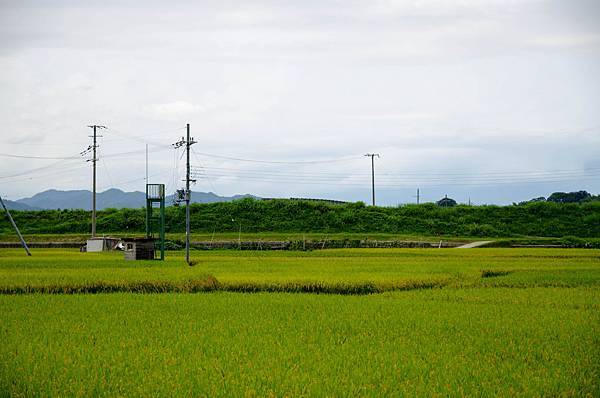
(473, 245)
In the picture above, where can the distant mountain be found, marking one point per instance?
(11, 205)
(112, 198)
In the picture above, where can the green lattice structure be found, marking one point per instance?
(155, 217)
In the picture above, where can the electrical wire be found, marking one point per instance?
(107, 172)
(48, 173)
(207, 177)
(400, 179)
(346, 159)
(401, 184)
(126, 182)
(29, 171)
(415, 173)
(37, 157)
(144, 139)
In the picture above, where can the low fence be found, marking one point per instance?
(318, 245)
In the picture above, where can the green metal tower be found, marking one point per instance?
(155, 223)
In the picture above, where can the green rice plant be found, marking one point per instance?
(435, 342)
(398, 322)
(490, 273)
(115, 286)
(344, 271)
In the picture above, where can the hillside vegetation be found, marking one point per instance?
(533, 219)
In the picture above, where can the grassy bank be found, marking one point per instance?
(289, 216)
(10, 236)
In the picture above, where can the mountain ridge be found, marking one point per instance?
(53, 199)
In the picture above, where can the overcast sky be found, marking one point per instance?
(496, 101)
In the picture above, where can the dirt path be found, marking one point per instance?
(474, 244)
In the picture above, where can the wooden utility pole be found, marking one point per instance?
(16, 228)
(372, 156)
(94, 160)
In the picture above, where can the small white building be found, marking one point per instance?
(101, 244)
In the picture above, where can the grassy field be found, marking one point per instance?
(486, 322)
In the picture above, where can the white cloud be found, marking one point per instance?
(453, 84)
(394, 116)
(566, 40)
(177, 110)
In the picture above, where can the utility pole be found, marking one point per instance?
(188, 142)
(372, 156)
(16, 228)
(418, 196)
(94, 160)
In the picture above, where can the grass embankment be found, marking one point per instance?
(473, 342)
(292, 216)
(235, 236)
(349, 271)
(177, 240)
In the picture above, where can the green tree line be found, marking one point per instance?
(531, 219)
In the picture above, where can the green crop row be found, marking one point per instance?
(343, 271)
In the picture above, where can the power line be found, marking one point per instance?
(135, 152)
(389, 178)
(357, 183)
(278, 162)
(51, 172)
(29, 171)
(127, 182)
(36, 157)
(107, 172)
(207, 177)
(144, 139)
(399, 177)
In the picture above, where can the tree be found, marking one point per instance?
(570, 197)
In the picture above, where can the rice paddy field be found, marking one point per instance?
(356, 322)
